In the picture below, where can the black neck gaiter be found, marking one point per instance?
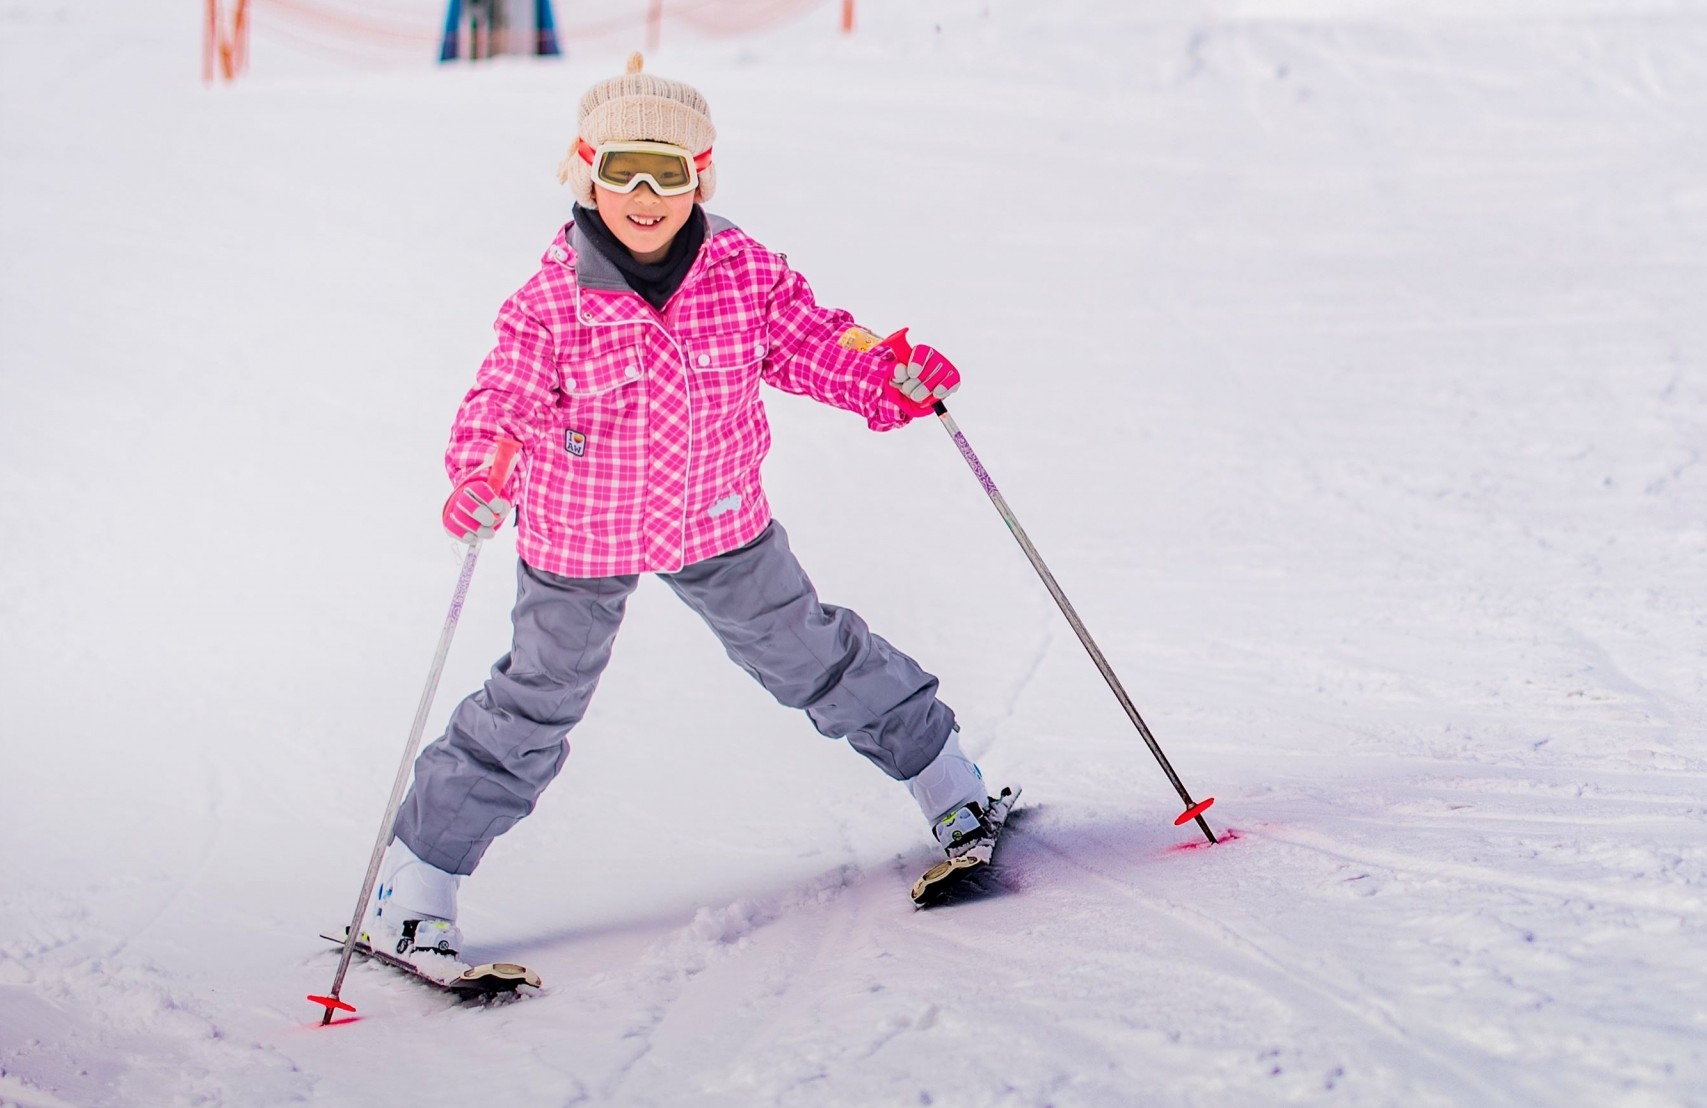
(655, 282)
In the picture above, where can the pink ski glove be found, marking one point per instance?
(922, 377)
(475, 508)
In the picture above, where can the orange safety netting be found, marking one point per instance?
(395, 27)
(362, 31)
(734, 17)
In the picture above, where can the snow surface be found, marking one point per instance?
(1345, 359)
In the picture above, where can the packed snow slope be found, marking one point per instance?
(1346, 361)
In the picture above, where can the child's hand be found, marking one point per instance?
(923, 379)
(475, 510)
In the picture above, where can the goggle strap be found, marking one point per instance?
(588, 153)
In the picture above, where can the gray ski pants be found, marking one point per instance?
(506, 742)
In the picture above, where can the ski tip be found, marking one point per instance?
(331, 1004)
(499, 977)
(1193, 812)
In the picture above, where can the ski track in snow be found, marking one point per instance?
(1383, 493)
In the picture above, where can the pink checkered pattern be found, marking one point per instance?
(643, 432)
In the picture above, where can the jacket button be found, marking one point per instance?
(705, 359)
(569, 383)
(758, 350)
(558, 253)
(634, 371)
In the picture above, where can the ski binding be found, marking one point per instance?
(952, 874)
(487, 979)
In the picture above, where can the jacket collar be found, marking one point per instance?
(593, 271)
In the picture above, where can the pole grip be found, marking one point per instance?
(504, 456)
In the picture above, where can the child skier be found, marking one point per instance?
(628, 367)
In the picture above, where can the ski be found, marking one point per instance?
(487, 979)
(957, 875)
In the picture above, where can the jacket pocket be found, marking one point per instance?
(600, 374)
(723, 370)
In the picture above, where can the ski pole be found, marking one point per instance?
(503, 461)
(1193, 809)
(898, 345)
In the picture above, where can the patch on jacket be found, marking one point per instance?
(575, 443)
(859, 339)
(727, 504)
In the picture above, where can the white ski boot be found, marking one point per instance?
(950, 792)
(413, 910)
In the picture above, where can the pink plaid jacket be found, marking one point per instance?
(643, 431)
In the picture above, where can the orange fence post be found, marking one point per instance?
(210, 33)
(227, 68)
(229, 48)
(240, 33)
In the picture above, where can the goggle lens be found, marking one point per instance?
(670, 173)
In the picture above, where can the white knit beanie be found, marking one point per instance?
(638, 107)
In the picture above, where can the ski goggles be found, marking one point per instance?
(621, 166)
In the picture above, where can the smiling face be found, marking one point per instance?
(642, 220)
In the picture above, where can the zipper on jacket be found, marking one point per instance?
(664, 321)
(653, 318)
